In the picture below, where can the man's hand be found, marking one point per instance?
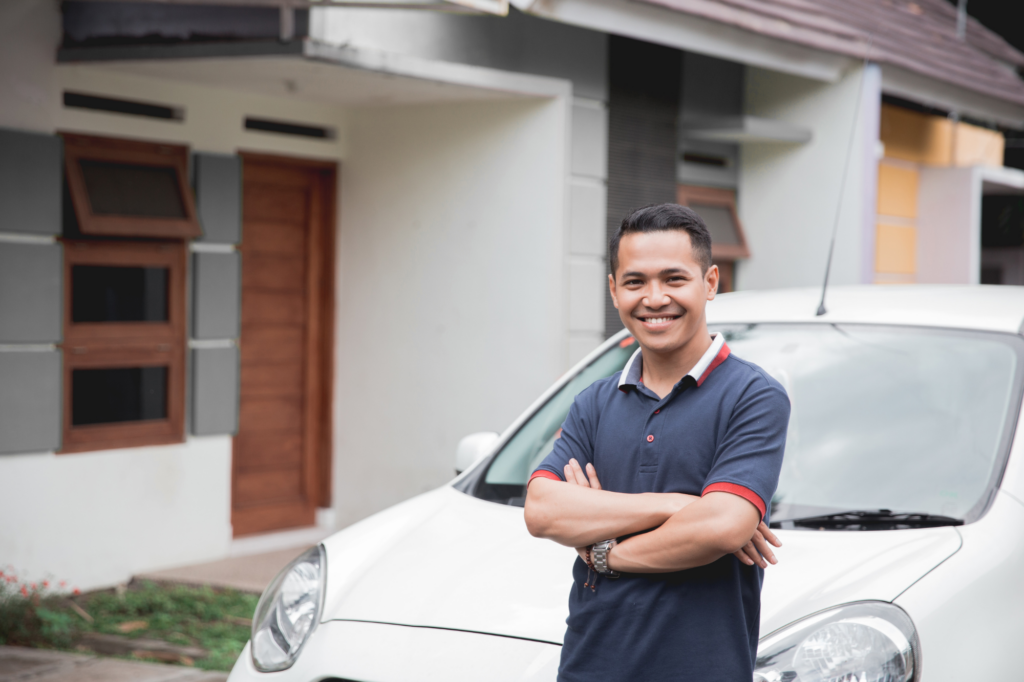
(757, 551)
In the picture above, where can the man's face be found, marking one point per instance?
(659, 289)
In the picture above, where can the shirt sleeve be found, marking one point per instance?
(576, 441)
(749, 457)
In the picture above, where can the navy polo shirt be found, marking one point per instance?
(722, 428)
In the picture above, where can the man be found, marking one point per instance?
(687, 440)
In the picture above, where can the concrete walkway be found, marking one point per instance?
(18, 664)
(245, 573)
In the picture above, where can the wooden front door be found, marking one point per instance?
(281, 461)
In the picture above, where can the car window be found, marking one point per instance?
(504, 479)
(906, 419)
(911, 420)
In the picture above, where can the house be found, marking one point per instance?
(262, 265)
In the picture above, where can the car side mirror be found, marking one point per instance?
(473, 448)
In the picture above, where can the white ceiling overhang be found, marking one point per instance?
(345, 76)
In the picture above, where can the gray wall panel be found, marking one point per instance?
(214, 391)
(30, 401)
(30, 293)
(643, 107)
(216, 295)
(218, 181)
(30, 182)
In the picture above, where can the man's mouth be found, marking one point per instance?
(657, 321)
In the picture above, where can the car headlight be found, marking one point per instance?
(863, 642)
(288, 612)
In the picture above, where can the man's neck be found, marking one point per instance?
(662, 371)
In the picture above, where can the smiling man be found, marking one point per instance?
(685, 443)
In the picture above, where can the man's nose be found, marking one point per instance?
(656, 296)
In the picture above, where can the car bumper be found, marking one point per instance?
(375, 652)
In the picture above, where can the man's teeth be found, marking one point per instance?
(658, 320)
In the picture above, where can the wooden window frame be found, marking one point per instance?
(113, 345)
(93, 148)
(726, 198)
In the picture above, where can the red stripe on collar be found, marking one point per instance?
(723, 353)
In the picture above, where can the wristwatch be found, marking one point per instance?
(599, 555)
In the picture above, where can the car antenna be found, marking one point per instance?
(842, 187)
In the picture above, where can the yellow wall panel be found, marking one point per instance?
(895, 249)
(976, 146)
(912, 136)
(897, 191)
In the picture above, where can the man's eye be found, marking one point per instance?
(633, 282)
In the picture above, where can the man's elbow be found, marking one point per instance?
(538, 516)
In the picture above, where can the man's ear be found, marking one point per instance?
(711, 279)
(611, 290)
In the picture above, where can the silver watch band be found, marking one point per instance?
(599, 555)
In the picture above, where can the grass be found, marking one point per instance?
(216, 620)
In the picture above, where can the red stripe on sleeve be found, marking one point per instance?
(719, 359)
(746, 493)
(544, 473)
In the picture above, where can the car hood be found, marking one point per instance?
(448, 560)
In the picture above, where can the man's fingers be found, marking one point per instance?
(752, 552)
(592, 475)
(570, 475)
(768, 534)
(742, 556)
(581, 478)
(762, 546)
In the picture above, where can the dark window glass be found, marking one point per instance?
(132, 190)
(719, 221)
(103, 293)
(1002, 220)
(103, 396)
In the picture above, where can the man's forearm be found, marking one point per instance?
(577, 516)
(697, 535)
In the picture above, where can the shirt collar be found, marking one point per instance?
(713, 357)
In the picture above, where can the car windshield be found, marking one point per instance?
(903, 419)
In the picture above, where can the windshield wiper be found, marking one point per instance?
(879, 519)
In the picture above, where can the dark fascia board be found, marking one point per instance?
(247, 48)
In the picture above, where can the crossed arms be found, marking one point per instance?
(689, 531)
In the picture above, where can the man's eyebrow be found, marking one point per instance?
(666, 271)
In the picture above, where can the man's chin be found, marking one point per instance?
(659, 342)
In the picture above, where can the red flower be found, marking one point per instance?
(24, 591)
(46, 583)
(76, 591)
(63, 583)
(33, 586)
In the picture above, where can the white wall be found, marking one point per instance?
(95, 519)
(451, 314)
(526, 44)
(788, 194)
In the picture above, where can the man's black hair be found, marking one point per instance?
(662, 217)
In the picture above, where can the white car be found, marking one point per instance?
(900, 506)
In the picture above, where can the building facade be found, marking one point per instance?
(261, 269)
